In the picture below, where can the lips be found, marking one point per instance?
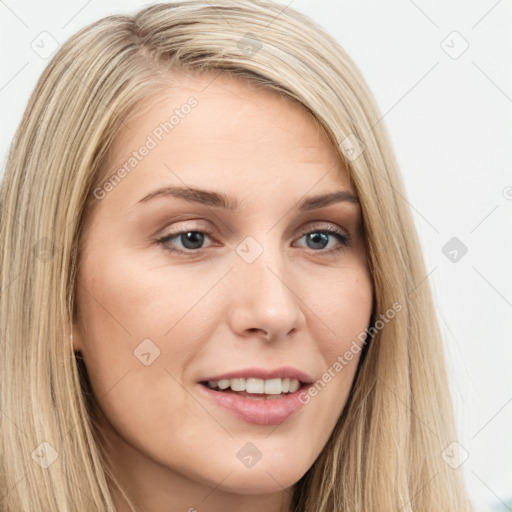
(268, 408)
(256, 409)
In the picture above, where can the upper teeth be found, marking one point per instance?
(253, 385)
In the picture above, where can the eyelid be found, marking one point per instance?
(310, 226)
(195, 225)
(323, 226)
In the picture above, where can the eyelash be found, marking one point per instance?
(342, 236)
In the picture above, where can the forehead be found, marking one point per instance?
(220, 131)
(225, 106)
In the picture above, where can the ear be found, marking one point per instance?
(72, 336)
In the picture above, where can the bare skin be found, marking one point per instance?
(206, 309)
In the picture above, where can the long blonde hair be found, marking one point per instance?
(385, 453)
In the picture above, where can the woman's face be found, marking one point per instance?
(176, 286)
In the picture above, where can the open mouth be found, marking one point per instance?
(257, 401)
(257, 389)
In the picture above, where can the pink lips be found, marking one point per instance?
(260, 411)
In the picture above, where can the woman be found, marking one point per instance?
(213, 292)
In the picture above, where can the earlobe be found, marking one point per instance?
(72, 337)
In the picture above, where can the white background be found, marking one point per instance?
(451, 125)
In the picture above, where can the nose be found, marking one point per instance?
(264, 299)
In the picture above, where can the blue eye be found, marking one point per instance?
(190, 240)
(318, 240)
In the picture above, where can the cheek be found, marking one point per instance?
(344, 311)
(150, 405)
(345, 308)
(128, 327)
(141, 320)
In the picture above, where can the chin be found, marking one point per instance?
(256, 483)
(261, 479)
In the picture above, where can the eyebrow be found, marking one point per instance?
(217, 199)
